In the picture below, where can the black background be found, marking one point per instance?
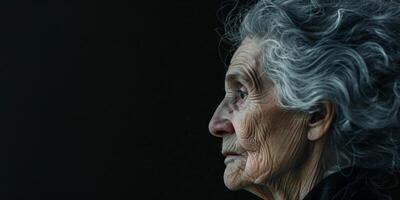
(110, 100)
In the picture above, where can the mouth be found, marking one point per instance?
(226, 154)
(230, 157)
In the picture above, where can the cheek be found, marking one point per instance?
(259, 164)
(253, 136)
(251, 129)
(294, 142)
(274, 141)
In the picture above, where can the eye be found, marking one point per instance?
(242, 93)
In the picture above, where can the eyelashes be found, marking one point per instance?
(238, 95)
(242, 94)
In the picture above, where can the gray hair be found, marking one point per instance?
(345, 52)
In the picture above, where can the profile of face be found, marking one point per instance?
(260, 141)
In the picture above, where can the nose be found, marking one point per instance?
(220, 123)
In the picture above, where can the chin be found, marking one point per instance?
(232, 185)
(234, 177)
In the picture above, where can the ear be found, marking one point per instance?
(320, 121)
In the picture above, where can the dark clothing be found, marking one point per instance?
(357, 183)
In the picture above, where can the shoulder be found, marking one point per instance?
(357, 183)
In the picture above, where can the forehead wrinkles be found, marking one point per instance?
(246, 60)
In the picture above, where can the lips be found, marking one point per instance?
(230, 157)
(229, 154)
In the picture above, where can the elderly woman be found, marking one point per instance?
(312, 100)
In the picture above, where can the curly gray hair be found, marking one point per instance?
(345, 52)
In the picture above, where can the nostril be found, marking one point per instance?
(221, 127)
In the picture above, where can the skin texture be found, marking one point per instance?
(271, 152)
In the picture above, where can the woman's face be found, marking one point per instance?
(260, 141)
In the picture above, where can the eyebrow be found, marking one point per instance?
(232, 76)
(238, 75)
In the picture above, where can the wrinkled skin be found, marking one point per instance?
(263, 144)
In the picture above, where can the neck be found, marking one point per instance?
(295, 183)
